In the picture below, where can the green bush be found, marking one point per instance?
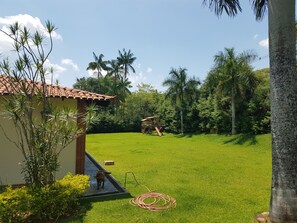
(43, 204)
(14, 205)
(76, 184)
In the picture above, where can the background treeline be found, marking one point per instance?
(187, 106)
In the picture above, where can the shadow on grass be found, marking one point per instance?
(239, 139)
(86, 205)
(184, 135)
(242, 139)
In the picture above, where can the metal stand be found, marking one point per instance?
(126, 175)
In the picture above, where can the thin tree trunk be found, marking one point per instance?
(98, 74)
(283, 80)
(182, 121)
(233, 132)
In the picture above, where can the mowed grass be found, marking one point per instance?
(214, 178)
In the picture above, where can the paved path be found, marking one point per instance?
(111, 186)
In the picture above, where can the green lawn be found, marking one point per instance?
(214, 178)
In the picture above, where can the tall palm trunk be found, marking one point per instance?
(233, 132)
(283, 80)
(98, 74)
(182, 121)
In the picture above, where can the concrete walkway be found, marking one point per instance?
(111, 187)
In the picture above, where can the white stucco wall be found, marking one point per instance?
(11, 157)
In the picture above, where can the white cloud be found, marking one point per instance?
(5, 41)
(56, 71)
(91, 73)
(264, 43)
(32, 23)
(149, 70)
(139, 65)
(94, 73)
(137, 78)
(70, 63)
(256, 36)
(57, 68)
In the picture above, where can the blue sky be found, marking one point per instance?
(161, 33)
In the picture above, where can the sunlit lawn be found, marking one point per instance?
(213, 178)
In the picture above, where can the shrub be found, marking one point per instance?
(14, 205)
(76, 184)
(58, 199)
(43, 204)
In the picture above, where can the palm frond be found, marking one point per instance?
(180, 87)
(132, 68)
(125, 60)
(95, 57)
(259, 7)
(92, 66)
(231, 7)
(247, 57)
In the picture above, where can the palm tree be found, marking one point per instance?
(98, 64)
(123, 89)
(179, 88)
(236, 76)
(125, 60)
(283, 82)
(114, 71)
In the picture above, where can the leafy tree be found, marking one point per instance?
(236, 76)
(125, 61)
(253, 113)
(180, 88)
(107, 85)
(41, 135)
(145, 88)
(103, 85)
(259, 105)
(88, 84)
(211, 106)
(214, 114)
(107, 121)
(283, 82)
(140, 104)
(168, 115)
(116, 81)
(137, 105)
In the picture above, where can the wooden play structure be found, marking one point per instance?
(149, 124)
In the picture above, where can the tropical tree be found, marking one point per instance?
(103, 85)
(283, 82)
(114, 71)
(98, 64)
(180, 88)
(106, 85)
(123, 88)
(41, 135)
(140, 104)
(259, 105)
(88, 84)
(119, 88)
(236, 76)
(125, 60)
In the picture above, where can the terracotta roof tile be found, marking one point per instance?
(7, 87)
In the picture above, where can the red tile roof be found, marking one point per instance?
(7, 87)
